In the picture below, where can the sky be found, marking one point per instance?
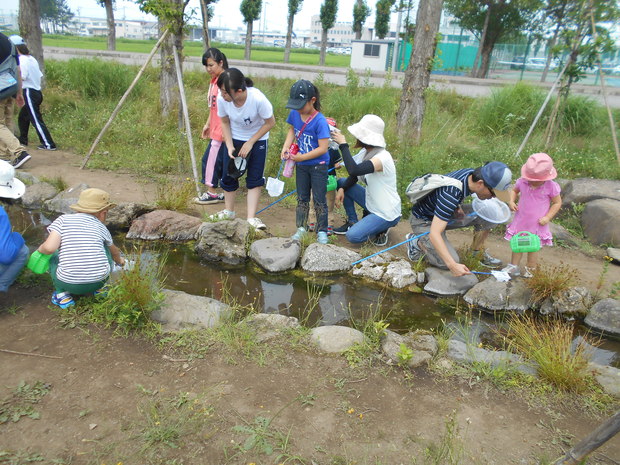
(226, 11)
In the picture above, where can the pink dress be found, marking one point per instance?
(534, 203)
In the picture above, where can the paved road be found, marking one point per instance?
(462, 85)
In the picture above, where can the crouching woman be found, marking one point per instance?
(82, 248)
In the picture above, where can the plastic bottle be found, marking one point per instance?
(289, 168)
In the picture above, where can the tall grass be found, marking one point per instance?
(549, 280)
(458, 131)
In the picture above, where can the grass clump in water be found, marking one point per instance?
(549, 280)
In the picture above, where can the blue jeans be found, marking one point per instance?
(9, 273)
(371, 224)
(311, 178)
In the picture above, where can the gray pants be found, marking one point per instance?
(420, 226)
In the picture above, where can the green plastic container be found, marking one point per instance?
(525, 241)
(39, 263)
(332, 183)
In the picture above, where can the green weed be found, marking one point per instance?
(450, 449)
(58, 182)
(175, 196)
(404, 354)
(22, 400)
(549, 280)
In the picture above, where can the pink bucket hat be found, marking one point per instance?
(539, 167)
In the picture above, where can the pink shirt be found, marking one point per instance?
(215, 126)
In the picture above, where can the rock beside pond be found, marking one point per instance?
(185, 311)
(608, 377)
(223, 241)
(423, 347)
(614, 254)
(604, 316)
(26, 178)
(270, 325)
(373, 268)
(467, 353)
(36, 195)
(121, 216)
(601, 221)
(60, 203)
(387, 268)
(442, 282)
(275, 254)
(327, 258)
(336, 339)
(561, 234)
(490, 294)
(583, 190)
(399, 274)
(574, 301)
(164, 225)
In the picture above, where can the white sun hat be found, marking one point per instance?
(10, 186)
(369, 131)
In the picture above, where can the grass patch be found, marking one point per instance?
(175, 196)
(20, 403)
(549, 280)
(58, 182)
(373, 326)
(450, 449)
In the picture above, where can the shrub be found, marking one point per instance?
(549, 280)
(175, 196)
(582, 116)
(549, 344)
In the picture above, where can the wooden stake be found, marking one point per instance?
(123, 98)
(188, 128)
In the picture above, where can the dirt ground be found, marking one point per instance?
(113, 400)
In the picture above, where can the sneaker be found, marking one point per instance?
(222, 215)
(21, 160)
(512, 270)
(256, 223)
(487, 260)
(301, 232)
(62, 299)
(343, 229)
(413, 250)
(330, 230)
(528, 272)
(43, 147)
(380, 240)
(311, 227)
(208, 198)
(322, 237)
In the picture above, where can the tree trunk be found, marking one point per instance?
(109, 12)
(168, 83)
(412, 103)
(30, 28)
(487, 49)
(323, 47)
(248, 41)
(289, 38)
(204, 11)
(483, 38)
(551, 45)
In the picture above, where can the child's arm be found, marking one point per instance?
(556, 204)
(290, 136)
(264, 129)
(205, 129)
(514, 194)
(51, 244)
(116, 255)
(317, 152)
(227, 134)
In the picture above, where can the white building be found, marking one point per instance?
(341, 35)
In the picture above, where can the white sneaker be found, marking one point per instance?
(222, 215)
(512, 270)
(301, 232)
(529, 272)
(256, 223)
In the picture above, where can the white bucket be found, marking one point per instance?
(493, 210)
(275, 187)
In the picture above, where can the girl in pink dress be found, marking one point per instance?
(539, 201)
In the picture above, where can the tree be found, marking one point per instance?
(382, 17)
(294, 6)
(555, 14)
(170, 15)
(329, 9)
(361, 12)
(56, 14)
(206, 11)
(30, 28)
(109, 13)
(250, 9)
(502, 17)
(412, 103)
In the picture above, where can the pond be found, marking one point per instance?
(322, 300)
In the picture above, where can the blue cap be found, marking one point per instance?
(498, 177)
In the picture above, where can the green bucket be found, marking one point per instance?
(332, 183)
(525, 241)
(39, 263)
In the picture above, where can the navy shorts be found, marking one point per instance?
(254, 176)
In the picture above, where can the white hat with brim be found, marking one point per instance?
(10, 186)
(369, 131)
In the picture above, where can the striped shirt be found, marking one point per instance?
(443, 201)
(82, 258)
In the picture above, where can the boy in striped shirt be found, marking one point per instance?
(82, 248)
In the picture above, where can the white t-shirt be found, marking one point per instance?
(382, 199)
(245, 121)
(30, 71)
(81, 257)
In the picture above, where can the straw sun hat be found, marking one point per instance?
(369, 131)
(93, 201)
